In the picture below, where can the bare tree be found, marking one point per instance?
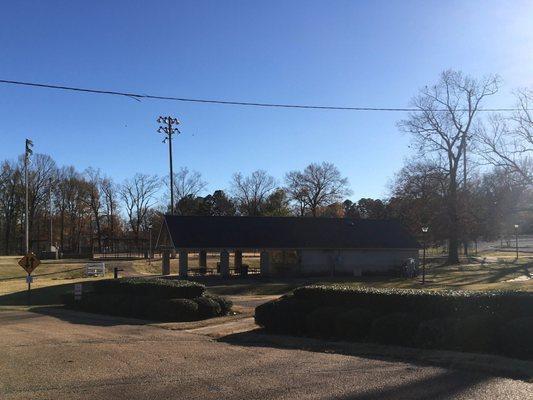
(138, 195)
(66, 193)
(110, 194)
(186, 184)
(418, 198)
(441, 128)
(10, 201)
(251, 192)
(94, 201)
(297, 192)
(318, 185)
(508, 142)
(42, 169)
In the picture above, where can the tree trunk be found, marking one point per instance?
(99, 235)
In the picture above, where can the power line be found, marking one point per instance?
(139, 97)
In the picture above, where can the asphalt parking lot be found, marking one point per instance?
(67, 355)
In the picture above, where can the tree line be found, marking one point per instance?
(470, 178)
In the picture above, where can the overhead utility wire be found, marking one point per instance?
(138, 97)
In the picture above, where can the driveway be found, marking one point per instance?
(51, 354)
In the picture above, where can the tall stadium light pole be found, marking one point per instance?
(166, 127)
(51, 217)
(425, 230)
(28, 152)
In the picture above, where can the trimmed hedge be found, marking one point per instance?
(321, 321)
(155, 287)
(397, 328)
(436, 333)
(149, 307)
(179, 310)
(428, 304)
(208, 307)
(354, 324)
(286, 315)
(517, 338)
(498, 322)
(151, 298)
(224, 303)
(477, 333)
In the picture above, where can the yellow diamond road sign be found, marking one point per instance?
(29, 262)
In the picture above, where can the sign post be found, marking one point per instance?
(29, 262)
(78, 289)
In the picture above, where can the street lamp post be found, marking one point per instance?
(150, 249)
(425, 230)
(516, 240)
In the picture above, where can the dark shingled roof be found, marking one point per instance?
(287, 232)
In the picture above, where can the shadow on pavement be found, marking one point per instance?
(442, 386)
(39, 296)
(485, 364)
(80, 317)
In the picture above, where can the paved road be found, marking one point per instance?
(66, 355)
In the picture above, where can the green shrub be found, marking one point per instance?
(155, 287)
(285, 315)
(397, 328)
(178, 310)
(428, 304)
(224, 303)
(436, 334)
(354, 324)
(208, 307)
(462, 320)
(150, 307)
(119, 305)
(516, 338)
(321, 321)
(477, 333)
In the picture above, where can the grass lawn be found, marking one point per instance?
(52, 278)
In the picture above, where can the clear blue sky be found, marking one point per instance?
(373, 53)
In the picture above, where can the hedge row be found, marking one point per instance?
(152, 308)
(154, 287)
(384, 316)
(151, 298)
(426, 304)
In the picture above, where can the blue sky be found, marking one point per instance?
(374, 53)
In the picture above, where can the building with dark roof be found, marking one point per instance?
(293, 245)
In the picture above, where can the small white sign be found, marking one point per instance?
(95, 269)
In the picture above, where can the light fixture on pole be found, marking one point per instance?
(166, 127)
(425, 230)
(516, 239)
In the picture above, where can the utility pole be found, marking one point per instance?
(51, 216)
(166, 127)
(28, 152)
